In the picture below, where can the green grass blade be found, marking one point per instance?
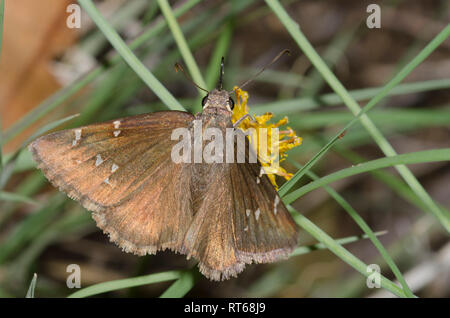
(93, 42)
(301, 250)
(410, 118)
(213, 69)
(181, 287)
(300, 173)
(394, 182)
(221, 49)
(151, 11)
(330, 99)
(182, 44)
(116, 41)
(409, 158)
(125, 283)
(15, 197)
(30, 292)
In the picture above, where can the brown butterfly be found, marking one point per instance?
(225, 215)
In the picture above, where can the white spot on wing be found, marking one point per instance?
(98, 161)
(275, 204)
(77, 136)
(257, 213)
(258, 180)
(106, 181)
(246, 228)
(247, 212)
(114, 167)
(261, 172)
(116, 133)
(116, 124)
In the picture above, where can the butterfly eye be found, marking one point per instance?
(231, 102)
(204, 100)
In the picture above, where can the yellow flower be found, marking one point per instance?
(287, 139)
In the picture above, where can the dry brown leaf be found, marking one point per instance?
(34, 33)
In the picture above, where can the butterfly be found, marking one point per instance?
(224, 215)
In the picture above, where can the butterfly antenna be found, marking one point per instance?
(178, 67)
(221, 74)
(276, 58)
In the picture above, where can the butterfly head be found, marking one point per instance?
(218, 99)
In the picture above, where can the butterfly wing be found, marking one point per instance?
(123, 172)
(264, 230)
(210, 236)
(240, 221)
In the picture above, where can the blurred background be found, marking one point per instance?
(49, 72)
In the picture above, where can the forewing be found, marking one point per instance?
(123, 172)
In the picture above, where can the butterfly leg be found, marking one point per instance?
(240, 120)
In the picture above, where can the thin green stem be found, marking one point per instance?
(213, 69)
(15, 197)
(182, 44)
(301, 250)
(330, 99)
(125, 283)
(409, 158)
(181, 286)
(221, 49)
